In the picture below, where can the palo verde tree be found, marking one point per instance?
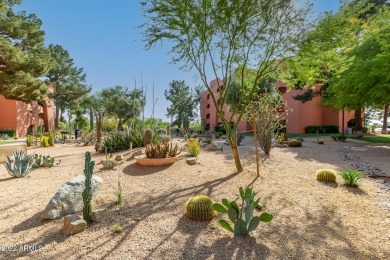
(68, 81)
(184, 102)
(215, 37)
(24, 60)
(123, 103)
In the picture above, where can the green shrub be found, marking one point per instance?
(217, 135)
(220, 129)
(45, 141)
(117, 228)
(193, 147)
(326, 175)
(9, 132)
(118, 141)
(351, 178)
(161, 131)
(241, 216)
(200, 207)
(312, 129)
(294, 143)
(339, 137)
(320, 142)
(209, 140)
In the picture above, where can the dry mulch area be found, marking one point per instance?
(312, 220)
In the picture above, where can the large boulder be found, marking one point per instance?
(68, 199)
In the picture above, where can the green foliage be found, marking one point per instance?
(209, 140)
(241, 217)
(21, 166)
(161, 150)
(117, 228)
(24, 58)
(9, 132)
(193, 147)
(123, 103)
(326, 175)
(44, 161)
(87, 193)
(351, 178)
(320, 142)
(161, 131)
(217, 135)
(312, 129)
(52, 136)
(200, 207)
(295, 143)
(118, 141)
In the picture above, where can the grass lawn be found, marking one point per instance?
(378, 138)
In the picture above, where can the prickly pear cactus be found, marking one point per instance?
(87, 193)
(200, 207)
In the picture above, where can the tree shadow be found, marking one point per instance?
(29, 223)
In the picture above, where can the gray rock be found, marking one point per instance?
(73, 224)
(68, 199)
(192, 160)
(97, 215)
(213, 147)
(119, 158)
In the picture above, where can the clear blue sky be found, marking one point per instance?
(102, 37)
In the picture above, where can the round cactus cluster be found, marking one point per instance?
(295, 143)
(200, 208)
(326, 175)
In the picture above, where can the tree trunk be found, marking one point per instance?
(90, 119)
(256, 148)
(358, 119)
(57, 117)
(384, 126)
(237, 161)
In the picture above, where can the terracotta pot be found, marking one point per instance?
(143, 161)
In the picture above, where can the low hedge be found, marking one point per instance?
(311, 129)
(9, 132)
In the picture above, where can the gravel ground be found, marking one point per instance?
(312, 220)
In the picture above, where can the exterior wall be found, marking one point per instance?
(299, 115)
(20, 116)
(7, 113)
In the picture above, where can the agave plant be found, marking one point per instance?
(241, 217)
(351, 178)
(22, 165)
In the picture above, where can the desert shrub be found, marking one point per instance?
(9, 132)
(217, 135)
(118, 141)
(45, 141)
(221, 129)
(339, 137)
(320, 142)
(117, 228)
(351, 178)
(241, 216)
(294, 143)
(209, 140)
(200, 207)
(326, 175)
(193, 147)
(161, 131)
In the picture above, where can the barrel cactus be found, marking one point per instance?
(148, 136)
(295, 143)
(326, 175)
(200, 208)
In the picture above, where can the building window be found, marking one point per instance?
(208, 96)
(218, 102)
(208, 106)
(208, 116)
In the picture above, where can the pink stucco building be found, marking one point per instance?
(25, 118)
(299, 116)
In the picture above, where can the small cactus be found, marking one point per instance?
(87, 193)
(30, 140)
(148, 136)
(200, 208)
(326, 175)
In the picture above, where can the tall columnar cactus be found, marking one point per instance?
(169, 130)
(87, 193)
(148, 136)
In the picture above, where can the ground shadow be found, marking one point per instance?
(134, 169)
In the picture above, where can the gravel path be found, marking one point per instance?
(312, 220)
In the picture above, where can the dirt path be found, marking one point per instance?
(312, 220)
